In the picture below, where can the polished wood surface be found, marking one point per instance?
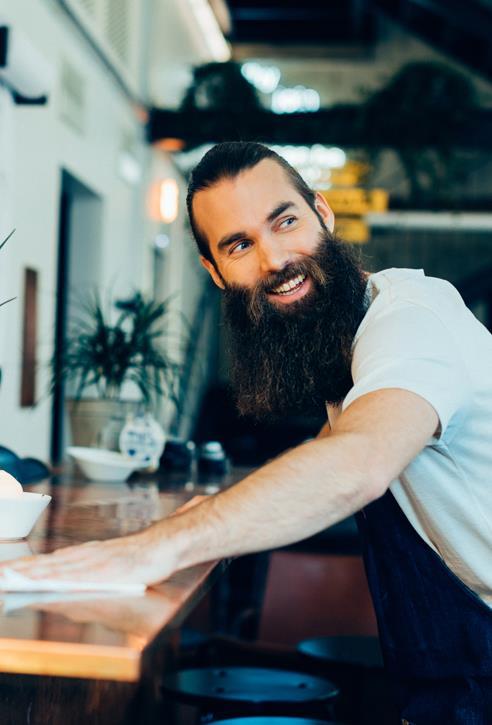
(100, 637)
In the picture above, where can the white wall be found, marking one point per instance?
(178, 43)
(39, 142)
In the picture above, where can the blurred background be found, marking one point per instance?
(106, 105)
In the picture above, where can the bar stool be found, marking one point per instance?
(356, 664)
(272, 721)
(362, 651)
(248, 691)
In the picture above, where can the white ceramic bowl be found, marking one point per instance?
(101, 465)
(19, 514)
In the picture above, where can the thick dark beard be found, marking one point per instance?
(293, 359)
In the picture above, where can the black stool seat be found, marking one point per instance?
(271, 720)
(248, 685)
(363, 651)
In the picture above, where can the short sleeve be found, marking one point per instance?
(406, 345)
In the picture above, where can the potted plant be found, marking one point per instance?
(102, 356)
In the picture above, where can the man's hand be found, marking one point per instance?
(126, 559)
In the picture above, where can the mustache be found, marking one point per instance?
(256, 297)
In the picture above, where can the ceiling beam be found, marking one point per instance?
(338, 126)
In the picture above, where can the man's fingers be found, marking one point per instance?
(83, 571)
(97, 561)
(62, 563)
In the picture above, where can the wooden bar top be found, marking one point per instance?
(96, 636)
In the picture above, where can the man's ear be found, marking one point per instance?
(325, 211)
(213, 272)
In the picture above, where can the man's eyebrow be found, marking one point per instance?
(279, 209)
(229, 239)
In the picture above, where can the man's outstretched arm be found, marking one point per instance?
(298, 494)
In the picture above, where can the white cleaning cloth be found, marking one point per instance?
(12, 581)
(12, 601)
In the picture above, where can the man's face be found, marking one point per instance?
(256, 225)
(293, 295)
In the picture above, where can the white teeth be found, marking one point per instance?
(288, 286)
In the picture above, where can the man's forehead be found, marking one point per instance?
(246, 199)
(267, 174)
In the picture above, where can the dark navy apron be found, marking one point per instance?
(436, 633)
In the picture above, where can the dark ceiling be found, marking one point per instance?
(461, 29)
(283, 22)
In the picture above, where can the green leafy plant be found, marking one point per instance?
(2, 245)
(132, 349)
(220, 86)
(424, 105)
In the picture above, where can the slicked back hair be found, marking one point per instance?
(226, 161)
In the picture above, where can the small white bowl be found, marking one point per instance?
(19, 514)
(102, 465)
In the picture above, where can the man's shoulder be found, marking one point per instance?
(410, 286)
(405, 300)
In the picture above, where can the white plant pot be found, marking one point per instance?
(98, 422)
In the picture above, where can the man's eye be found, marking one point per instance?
(287, 222)
(239, 247)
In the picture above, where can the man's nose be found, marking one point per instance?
(273, 256)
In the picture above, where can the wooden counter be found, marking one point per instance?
(97, 637)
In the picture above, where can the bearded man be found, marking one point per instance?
(405, 372)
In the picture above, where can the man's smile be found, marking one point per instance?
(292, 290)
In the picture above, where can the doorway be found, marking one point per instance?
(78, 275)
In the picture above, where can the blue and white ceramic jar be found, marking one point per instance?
(143, 439)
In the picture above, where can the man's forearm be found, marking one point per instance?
(298, 494)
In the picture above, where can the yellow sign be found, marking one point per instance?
(351, 174)
(356, 202)
(352, 230)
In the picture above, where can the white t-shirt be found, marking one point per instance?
(418, 335)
